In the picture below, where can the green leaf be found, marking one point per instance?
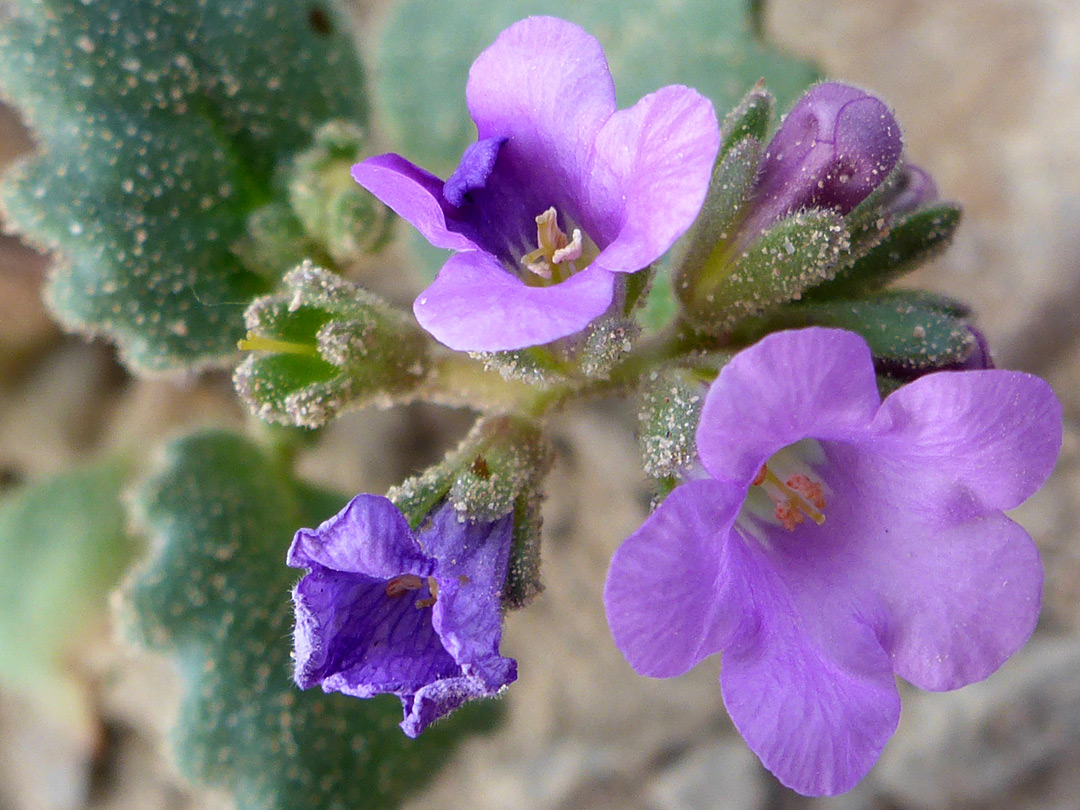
(161, 124)
(64, 547)
(706, 44)
(905, 329)
(216, 597)
(914, 240)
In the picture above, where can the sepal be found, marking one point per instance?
(322, 345)
(495, 471)
(909, 332)
(910, 242)
(751, 118)
(792, 256)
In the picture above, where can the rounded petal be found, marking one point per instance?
(812, 691)
(369, 536)
(960, 586)
(994, 432)
(416, 196)
(808, 383)
(674, 594)
(962, 601)
(472, 565)
(650, 173)
(544, 84)
(438, 699)
(476, 305)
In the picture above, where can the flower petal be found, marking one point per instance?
(416, 196)
(472, 564)
(650, 173)
(476, 305)
(369, 536)
(960, 586)
(439, 698)
(811, 691)
(544, 84)
(473, 171)
(961, 601)
(816, 383)
(997, 433)
(673, 594)
(353, 638)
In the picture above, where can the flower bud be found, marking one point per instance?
(916, 189)
(836, 145)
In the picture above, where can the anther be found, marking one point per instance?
(402, 584)
(798, 497)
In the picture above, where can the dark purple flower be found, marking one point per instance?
(840, 541)
(834, 147)
(560, 193)
(384, 609)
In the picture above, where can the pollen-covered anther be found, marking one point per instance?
(798, 497)
(811, 490)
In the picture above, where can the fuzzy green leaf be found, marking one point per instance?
(161, 123)
(706, 44)
(216, 596)
(64, 548)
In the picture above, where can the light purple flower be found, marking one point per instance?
(559, 195)
(383, 609)
(840, 541)
(835, 146)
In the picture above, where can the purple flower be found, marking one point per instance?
(834, 147)
(560, 193)
(839, 541)
(384, 609)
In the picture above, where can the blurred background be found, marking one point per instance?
(988, 93)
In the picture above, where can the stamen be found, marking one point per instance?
(433, 586)
(555, 258)
(798, 497)
(570, 252)
(401, 584)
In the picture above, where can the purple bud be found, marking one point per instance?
(915, 190)
(835, 146)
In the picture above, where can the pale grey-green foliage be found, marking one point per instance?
(426, 50)
(215, 596)
(160, 124)
(64, 547)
